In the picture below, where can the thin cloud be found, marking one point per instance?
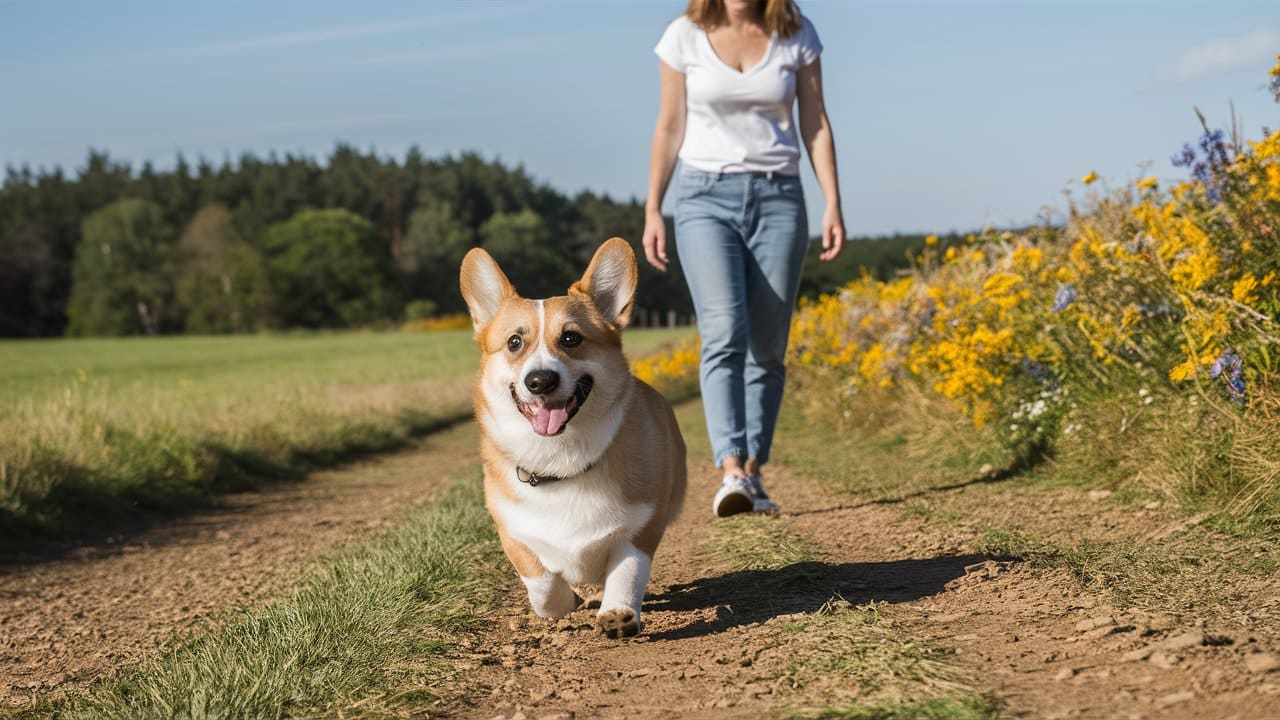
(312, 124)
(461, 52)
(324, 35)
(1219, 56)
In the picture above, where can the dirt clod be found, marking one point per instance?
(1184, 641)
(1141, 653)
(1094, 623)
(1175, 698)
(1263, 662)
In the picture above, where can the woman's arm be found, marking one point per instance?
(668, 134)
(815, 130)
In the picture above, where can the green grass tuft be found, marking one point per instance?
(1182, 571)
(368, 632)
(754, 542)
(965, 707)
(874, 662)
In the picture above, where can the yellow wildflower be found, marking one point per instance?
(1089, 178)
(1244, 289)
(1148, 182)
(1000, 284)
(1027, 258)
(1185, 371)
(895, 292)
(1195, 269)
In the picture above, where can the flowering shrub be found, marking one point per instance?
(674, 372)
(1182, 280)
(455, 321)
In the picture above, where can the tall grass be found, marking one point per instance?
(94, 432)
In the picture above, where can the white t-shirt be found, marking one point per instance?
(739, 121)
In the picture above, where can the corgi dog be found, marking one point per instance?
(584, 464)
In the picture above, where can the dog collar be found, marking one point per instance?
(533, 479)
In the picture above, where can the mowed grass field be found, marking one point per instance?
(95, 432)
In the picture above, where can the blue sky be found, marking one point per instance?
(947, 115)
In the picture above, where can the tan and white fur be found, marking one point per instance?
(557, 404)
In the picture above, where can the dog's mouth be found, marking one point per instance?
(547, 420)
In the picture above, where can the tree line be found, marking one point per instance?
(292, 242)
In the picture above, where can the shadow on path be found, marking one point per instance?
(1016, 468)
(748, 596)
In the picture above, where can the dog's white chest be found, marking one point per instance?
(573, 525)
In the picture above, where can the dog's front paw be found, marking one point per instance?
(620, 623)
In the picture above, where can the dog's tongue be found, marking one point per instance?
(548, 421)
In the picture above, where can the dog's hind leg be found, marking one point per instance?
(624, 585)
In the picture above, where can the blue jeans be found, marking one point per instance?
(741, 239)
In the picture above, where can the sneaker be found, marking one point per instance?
(734, 496)
(760, 501)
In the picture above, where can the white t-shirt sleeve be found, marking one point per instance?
(808, 46)
(672, 48)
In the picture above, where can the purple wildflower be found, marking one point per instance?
(1184, 158)
(1064, 297)
(1226, 362)
(1230, 368)
(1235, 387)
(1041, 373)
(1208, 165)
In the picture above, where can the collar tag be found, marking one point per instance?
(533, 479)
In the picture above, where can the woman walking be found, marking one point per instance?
(730, 72)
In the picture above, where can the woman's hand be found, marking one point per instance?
(655, 239)
(832, 233)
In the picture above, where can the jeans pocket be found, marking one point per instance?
(692, 183)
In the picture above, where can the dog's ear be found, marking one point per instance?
(484, 287)
(610, 281)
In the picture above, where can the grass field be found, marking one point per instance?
(93, 432)
(366, 633)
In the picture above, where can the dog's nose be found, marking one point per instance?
(541, 382)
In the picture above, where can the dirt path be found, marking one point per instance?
(719, 641)
(723, 643)
(93, 611)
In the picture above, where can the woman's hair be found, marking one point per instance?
(779, 16)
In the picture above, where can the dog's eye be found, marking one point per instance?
(514, 343)
(570, 339)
